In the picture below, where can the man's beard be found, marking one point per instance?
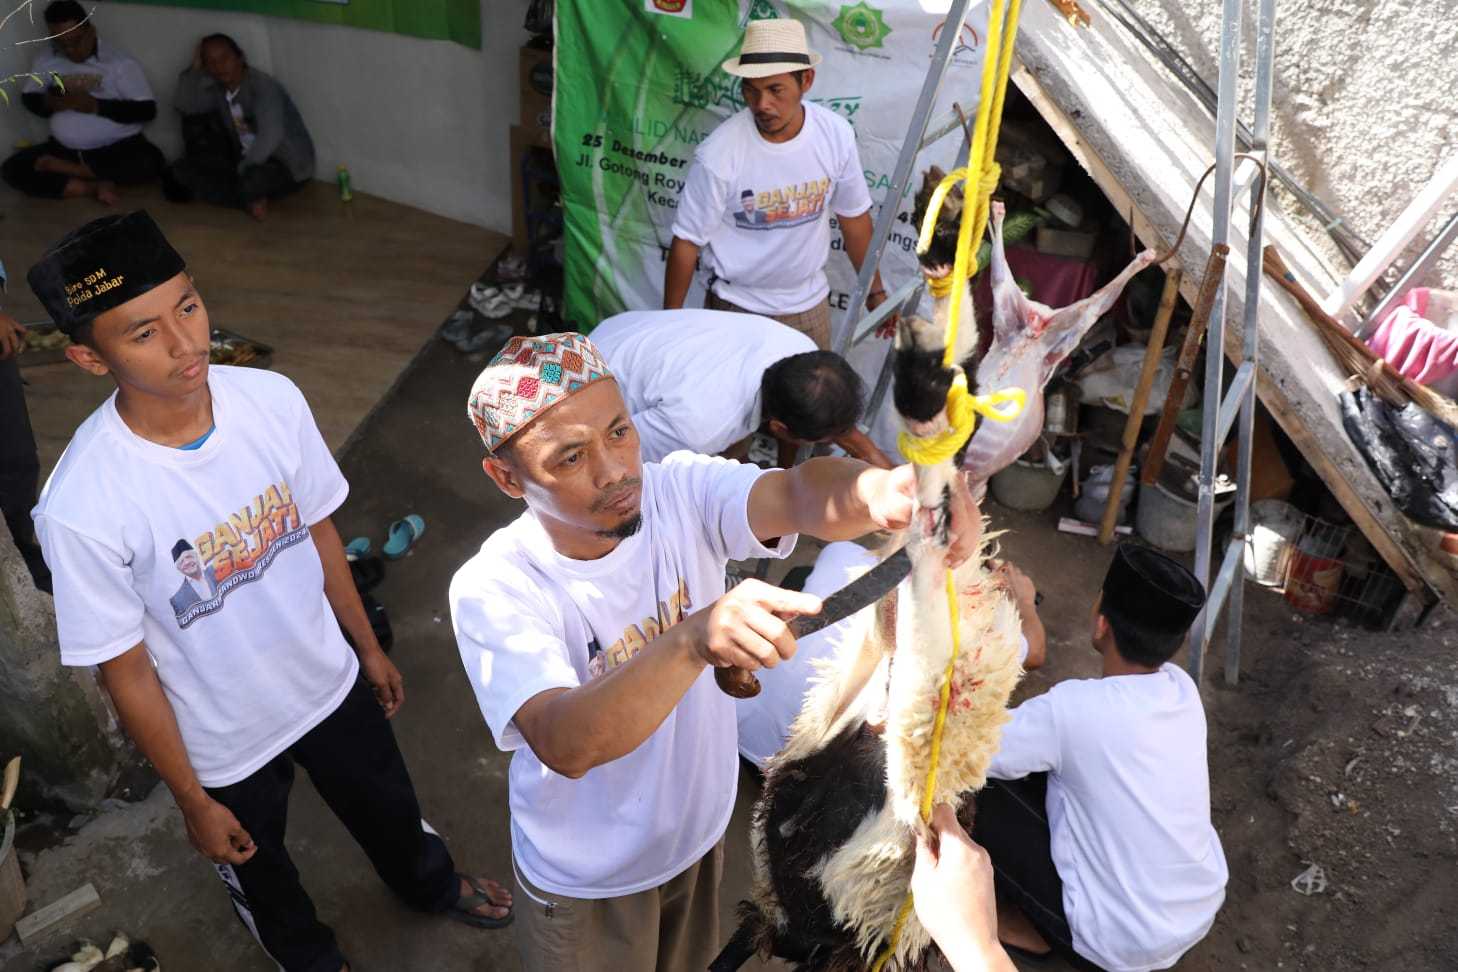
(625, 529)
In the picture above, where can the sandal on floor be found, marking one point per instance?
(464, 910)
(357, 548)
(402, 536)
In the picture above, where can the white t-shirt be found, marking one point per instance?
(528, 619)
(205, 555)
(765, 720)
(110, 73)
(246, 135)
(763, 208)
(691, 378)
(1128, 810)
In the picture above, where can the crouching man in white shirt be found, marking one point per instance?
(589, 627)
(1100, 832)
(707, 380)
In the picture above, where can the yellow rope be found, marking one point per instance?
(962, 406)
(962, 411)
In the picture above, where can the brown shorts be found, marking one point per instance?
(671, 928)
(813, 323)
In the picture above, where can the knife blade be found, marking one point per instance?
(862, 592)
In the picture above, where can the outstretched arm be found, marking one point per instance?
(841, 499)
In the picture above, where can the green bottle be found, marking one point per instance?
(344, 194)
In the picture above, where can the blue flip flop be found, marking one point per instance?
(402, 536)
(357, 548)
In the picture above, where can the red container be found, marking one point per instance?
(1312, 582)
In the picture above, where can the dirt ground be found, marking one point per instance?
(1338, 747)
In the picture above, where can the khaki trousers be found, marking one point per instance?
(671, 928)
(813, 323)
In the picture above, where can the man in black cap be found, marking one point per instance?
(1097, 811)
(229, 687)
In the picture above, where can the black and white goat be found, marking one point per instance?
(833, 834)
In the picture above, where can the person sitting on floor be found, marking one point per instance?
(707, 380)
(244, 140)
(1097, 809)
(97, 100)
(765, 720)
(230, 677)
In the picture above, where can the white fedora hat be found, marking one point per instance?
(772, 47)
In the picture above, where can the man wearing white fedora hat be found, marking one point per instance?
(758, 197)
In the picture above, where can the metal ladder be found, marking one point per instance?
(848, 330)
(1235, 408)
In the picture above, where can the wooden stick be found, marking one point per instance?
(1152, 354)
(1185, 366)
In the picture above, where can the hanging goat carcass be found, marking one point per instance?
(833, 834)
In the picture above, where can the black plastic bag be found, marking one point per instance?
(539, 17)
(1413, 455)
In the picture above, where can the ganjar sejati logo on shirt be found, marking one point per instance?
(670, 612)
(782, 208)
(235, 552)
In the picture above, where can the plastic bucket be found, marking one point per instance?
(1168, 521)
(1275, 525)
(1313, 582)
(12, 885)
(1027, 486)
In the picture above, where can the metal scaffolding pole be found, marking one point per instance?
(917, 138)
(1237, 408)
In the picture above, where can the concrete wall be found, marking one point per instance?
(417, 121)
(53, 717)
(1363, 106)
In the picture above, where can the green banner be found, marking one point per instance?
(639, 86)
(453, 20)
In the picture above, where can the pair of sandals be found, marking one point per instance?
(399, 539)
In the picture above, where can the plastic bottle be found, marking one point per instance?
(345, 195)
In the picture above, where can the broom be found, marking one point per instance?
(1353, 355)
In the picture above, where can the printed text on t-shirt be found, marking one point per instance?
(636, 636)
(235, 552)
(782, 208)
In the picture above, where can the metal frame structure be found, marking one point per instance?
(844, 333)
(1222, 410)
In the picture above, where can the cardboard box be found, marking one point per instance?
(1069, 243)
(536, 78)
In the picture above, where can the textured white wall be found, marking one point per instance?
(417, 121)
(1364, 106)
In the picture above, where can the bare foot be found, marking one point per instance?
(258, 209)
(106, 193)
(49, 163)
(1015, 929)
(499, 905)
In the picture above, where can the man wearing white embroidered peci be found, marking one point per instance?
(706, 381)
(588, 628)
(759, 195)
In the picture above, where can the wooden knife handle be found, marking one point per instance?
(739, 683)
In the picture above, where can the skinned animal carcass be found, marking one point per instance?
(834, 833)
(1028, 342)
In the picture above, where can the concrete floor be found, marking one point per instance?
(344, 293)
